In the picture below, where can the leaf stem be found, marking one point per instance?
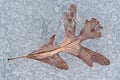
(17, 58)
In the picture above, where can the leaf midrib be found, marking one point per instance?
(49, 53)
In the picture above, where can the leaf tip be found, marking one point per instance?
(100, 59)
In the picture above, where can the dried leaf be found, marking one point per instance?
(49, 53)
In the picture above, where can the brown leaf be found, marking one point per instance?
(49, 53)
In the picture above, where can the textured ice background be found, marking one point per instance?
(25, 25)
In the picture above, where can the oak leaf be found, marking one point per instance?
(49, 53)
